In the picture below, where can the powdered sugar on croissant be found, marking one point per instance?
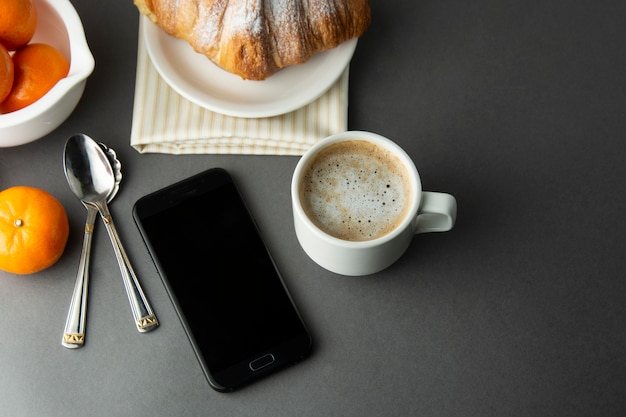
(256, 38)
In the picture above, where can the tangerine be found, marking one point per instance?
(33, 230)
(38, 67)
(18, 22)
(6, 73)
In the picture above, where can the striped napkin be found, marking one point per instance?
(166, 122)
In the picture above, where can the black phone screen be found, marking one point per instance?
(217, 269)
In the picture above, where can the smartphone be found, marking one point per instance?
(226, 289)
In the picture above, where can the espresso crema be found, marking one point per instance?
(356, 190)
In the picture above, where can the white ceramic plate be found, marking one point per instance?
(202, 82)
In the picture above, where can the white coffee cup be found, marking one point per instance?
(321, 236)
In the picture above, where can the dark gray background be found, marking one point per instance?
(515, 107)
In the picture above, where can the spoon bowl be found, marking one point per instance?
(87, 169)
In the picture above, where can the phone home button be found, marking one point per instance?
(262, 362)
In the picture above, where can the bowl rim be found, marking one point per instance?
(82, 64)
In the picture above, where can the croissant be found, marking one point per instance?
(256, 38)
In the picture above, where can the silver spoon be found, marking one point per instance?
(92, 179)
(75, 325)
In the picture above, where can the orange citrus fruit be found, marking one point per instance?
(18, 21)
(33, 230)
(38, 67)
(6, 73)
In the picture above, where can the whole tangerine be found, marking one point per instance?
(33, 230)
(6, 73)
(18, 22)
(38, 67)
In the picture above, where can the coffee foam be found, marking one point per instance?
(356, 190)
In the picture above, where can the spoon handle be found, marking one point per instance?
(144, 316)
(74, 333)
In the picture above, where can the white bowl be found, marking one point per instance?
(58, 25)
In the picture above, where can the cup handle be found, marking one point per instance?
(437, 213)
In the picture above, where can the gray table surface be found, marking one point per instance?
(516, 108)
